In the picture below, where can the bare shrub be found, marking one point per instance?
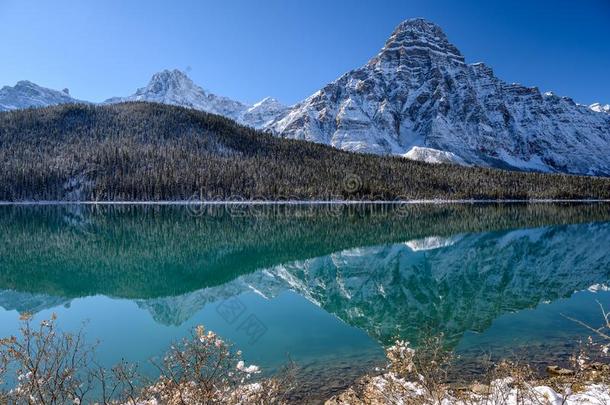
(411, 377)
(48, 367)
(52, 367)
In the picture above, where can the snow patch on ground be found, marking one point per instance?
(391, 389)
(430, 155)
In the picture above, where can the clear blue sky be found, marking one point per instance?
(248, 49)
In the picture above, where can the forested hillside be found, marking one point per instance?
(144, 151)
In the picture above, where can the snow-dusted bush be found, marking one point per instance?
(204, 369)
(418, 377)
(46, 366)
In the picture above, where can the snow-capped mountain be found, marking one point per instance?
(430, 155)
(176, 88)
(26, 94)
(419, 92)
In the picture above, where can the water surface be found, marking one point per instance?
(325, 286)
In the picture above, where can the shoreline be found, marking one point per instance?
(305, 202)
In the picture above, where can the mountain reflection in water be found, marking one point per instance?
(382, 270)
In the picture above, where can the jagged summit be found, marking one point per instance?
(22, 84)
(176, 88)
(170, 80)
(267, 101)
(417, 31)
(263, 113)
(415, 39)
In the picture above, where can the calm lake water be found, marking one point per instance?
(325, 286)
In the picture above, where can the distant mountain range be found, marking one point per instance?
(26, 94)
(597, 107)
(172, 87)
(138, 151)
(176, 88)
(417, 98)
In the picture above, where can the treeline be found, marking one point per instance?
(150, 251)
(144, 151)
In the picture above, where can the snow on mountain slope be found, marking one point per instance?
(419, 92)
(26, 94)
(597, 107)
(263, 113)
(431, 243)
(176, 88)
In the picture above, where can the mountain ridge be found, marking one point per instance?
(175, 87)
(25, 94)
(168, 86)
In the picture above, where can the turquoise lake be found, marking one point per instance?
(326, 286)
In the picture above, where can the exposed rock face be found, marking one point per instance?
(419, 92)
(176, 88)
(26, 94)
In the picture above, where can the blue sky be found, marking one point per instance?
(288, 49)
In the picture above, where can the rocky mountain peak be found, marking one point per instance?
(419, 27)
(262, 113)
(416, 39)
(21, 84)
(167, 80)
(26, 87)
(176, 88)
